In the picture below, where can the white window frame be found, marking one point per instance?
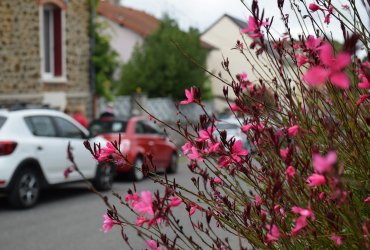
(50, 77)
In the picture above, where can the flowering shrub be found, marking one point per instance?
(305, 183)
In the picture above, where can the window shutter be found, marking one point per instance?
(57, 42)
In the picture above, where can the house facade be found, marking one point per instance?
(222, 36)
(126, 27)
(44, 53)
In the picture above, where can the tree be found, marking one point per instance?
(160, 69)
(104, 58)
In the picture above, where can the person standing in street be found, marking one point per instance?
(79, 116)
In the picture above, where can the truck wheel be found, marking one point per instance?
(136, 173)
(173, 166)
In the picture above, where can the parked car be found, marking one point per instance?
(233, 129)
(33, 154)
(139, 137)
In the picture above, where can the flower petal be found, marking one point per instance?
(342, 60)
(326, 54)
(316, 76)
(340, 79)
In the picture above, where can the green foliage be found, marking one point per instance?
(105, 63)
(104, 58)
(160, 69)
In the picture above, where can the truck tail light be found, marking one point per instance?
(7, 147)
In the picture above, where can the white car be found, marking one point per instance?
(33, 154)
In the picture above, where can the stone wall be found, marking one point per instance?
(19, 49)
(20, 62)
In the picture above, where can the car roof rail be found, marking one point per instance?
(23, 106)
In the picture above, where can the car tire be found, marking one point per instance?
(136, 173)
(174, 164)
(104, 177)
(25, 190)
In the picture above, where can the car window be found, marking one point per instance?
(107, 127)
(2, 121)
(139, 128)
(67, 129)
(151, 128)
(41, 126)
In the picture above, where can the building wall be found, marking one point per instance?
(20, 70)
(19, 51)
(122, 40)
(223, 36)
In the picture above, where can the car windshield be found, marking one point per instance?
(107, 127)
(2, 121)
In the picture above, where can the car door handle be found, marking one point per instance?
(40, 148)
(151, 143)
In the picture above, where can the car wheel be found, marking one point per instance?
(104, 177)
(25, 190)
(136, 170)
(173, 166)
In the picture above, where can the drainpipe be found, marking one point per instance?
(91, 64)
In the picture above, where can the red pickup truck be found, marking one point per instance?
(140, 137)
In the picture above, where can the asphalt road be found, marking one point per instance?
(69, 218)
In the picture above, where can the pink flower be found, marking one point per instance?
(108, 223)
(284, 152)
(321, 195)
(206, 134)
(145, 205)
(175, 201)
(246, 127)
(301, 59)
(296, 46)
(345, 6)
(367, 200)
(324, 164)
(258, 200)
(253, 28)
(337, 239)
(132, 197)
(314, 7)
(67, 171)
(243, 76)
(273, 234)
(327, 17)
(193, 208)
(213, 147)
(106, 152)
(316, 180)
(152, 244)
(237, 150)
(332, 71)
(186, 148)
(304, 212)
(293, 130)
(218, 180)
(364, 84)
(290, 171)
(140, 220)
(312, 43)
(189, 95)
(300, 223)
(235, 108)
(195, 155)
